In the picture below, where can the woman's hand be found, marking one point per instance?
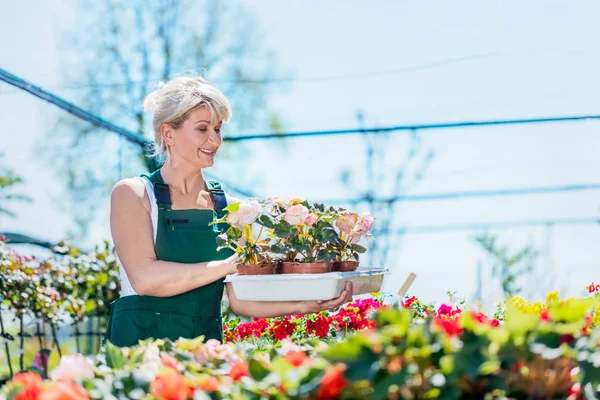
(229, 264)
(321, 305)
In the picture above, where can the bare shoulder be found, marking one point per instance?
(130, 192)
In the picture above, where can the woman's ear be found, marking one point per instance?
(166, 132)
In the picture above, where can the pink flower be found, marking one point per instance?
(73, 367)
(296, 215)
(365, 223)
(444, 309)
(311, 219)
(346, 222)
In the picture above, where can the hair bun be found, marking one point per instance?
(151, 101)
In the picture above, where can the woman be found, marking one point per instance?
(172, 276)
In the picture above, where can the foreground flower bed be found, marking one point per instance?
(460, 355)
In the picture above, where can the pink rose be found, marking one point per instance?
(296, 215)
(73, 367)
(311, 219)
(346, 222)
(365, 223)
(354, 236)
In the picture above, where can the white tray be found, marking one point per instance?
(295, 287)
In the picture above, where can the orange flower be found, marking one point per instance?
(169, 386)
(332, 383)
(210, 384)
(238, 370)
(296, 357)
(32, 385)
(64, 391)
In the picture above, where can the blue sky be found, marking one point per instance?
(486, 61)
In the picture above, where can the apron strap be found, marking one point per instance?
(161, 191)
(218, 197)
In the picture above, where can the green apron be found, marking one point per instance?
(183, 236)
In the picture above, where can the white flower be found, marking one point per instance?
(248, 212)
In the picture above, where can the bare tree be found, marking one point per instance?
(8, 180)
(124, 50)
(384, 185)
(507, 266)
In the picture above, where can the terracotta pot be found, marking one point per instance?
(256, 269)
(344, 266)
(305, 268)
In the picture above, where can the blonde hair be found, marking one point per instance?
(173, 101)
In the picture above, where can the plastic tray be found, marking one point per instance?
(296, 287)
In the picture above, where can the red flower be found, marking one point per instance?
(545, 315)
(566, 339)
(320, 327)
(32, 385)
(575, 389)
(409, 301)
(495, 322)
(238, 370)
(64, 391)
(170, 386)
(332, 383)
(282, 329)
(254, 328)
(451, 327)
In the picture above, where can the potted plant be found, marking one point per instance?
(253, 251)
(351, 228)
(303, 236)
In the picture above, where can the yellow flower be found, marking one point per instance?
(552, 297)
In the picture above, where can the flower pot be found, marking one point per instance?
(256, 269)
(344, 266)
(305, 268)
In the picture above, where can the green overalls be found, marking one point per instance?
(183, 236)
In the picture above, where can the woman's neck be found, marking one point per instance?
(182, 178)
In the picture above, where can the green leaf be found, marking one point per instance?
(358, 248)
(115, 358)
(310, 381)
(381, 387)
(266, 221)
(257, 370)
(233, 207)
(283, 229)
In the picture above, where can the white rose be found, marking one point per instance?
(249, 211)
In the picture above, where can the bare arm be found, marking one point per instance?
(131, 229)
(270, 309)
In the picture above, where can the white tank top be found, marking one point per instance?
(126, 288)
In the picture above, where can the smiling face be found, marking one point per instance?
(196, 141)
